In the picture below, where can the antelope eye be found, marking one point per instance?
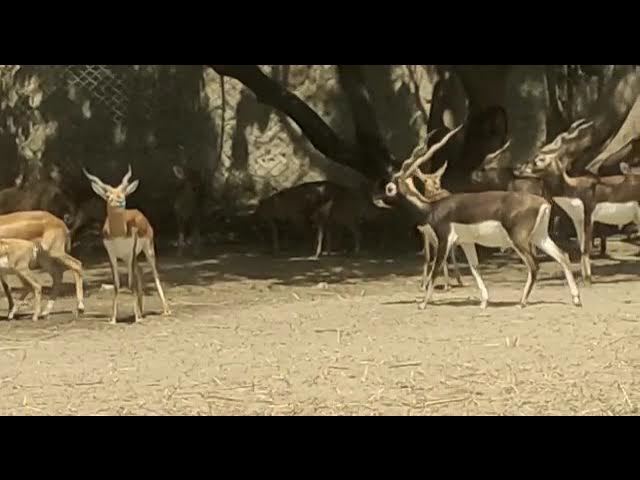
(391, 190)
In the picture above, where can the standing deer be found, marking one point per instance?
(494, 219)
(127, 234)
(52, 237)
(17, 257)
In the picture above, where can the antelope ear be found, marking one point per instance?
(624, 168)
(100, 190)
(132, 188)
(179, 172)
(442, 170)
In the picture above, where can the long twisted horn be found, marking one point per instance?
(431, 152)
(94, 179)
(421, 149)
(127, 178)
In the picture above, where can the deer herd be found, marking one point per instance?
(517, 208)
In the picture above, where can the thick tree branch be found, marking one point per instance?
(372, 146)
(271, 93)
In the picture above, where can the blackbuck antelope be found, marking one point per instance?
(51, 235)
(433, 191)
(587, 199)
(17, 257)
(324, 204)
(494, 219)
(496, 173)
(127, 234)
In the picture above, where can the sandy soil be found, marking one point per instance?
(256, 335)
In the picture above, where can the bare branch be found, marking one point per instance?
(270, 92)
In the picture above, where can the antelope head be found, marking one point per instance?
(559, 155)
(498, 160)
(402, 184)
(116, 197)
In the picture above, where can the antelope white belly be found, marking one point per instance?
(4, 265)
(121, 248)
(572, 206)
(488, 234)
(618, 214)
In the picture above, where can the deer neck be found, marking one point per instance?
(417, 208)
(554, 184)
(117, 222)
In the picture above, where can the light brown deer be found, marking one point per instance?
(17, 257)
(54, 241)
(127, 234)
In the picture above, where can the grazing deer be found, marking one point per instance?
(188, 206)
(493, 219)
(54, 241)
(322, 203)
(127, 234)
(17, 257)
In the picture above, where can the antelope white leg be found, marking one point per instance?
(445, 267)
(549, 246)
(472, 259)
(455, 267)
(450, 242)
(320, 242)
(574, 208)
(540, 237)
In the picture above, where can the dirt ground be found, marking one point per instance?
(255, 335)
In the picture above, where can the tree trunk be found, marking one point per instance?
(616, 115)
(374, 155)
(521, 90)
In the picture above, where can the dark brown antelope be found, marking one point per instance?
(432, 187)
(587, 199)
(126, 235)
(321, 203)
(497, 173)
(494, 219)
